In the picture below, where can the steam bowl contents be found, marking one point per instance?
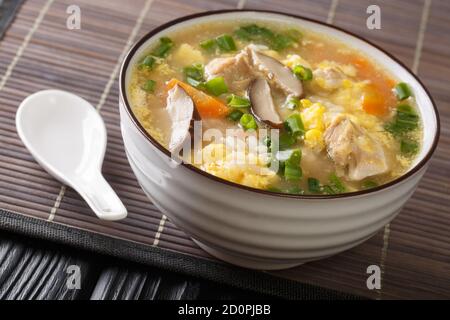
(348, 122)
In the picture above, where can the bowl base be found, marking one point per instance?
(245, 262)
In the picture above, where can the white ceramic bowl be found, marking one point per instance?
(255, 228)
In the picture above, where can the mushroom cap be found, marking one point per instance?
(262, 105)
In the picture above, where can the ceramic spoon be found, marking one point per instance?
(67, 137)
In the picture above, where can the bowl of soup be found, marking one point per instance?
(271, 139)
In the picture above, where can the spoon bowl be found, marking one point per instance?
(67, 137)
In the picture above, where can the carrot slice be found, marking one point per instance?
(207, 106)
(374, 101)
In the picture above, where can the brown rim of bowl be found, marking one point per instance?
(155, 143)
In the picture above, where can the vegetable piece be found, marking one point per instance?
(207, 106)
(195, 71)
(295, 190)
(292, 169)
(294, 125)
(336, 184)
(165, 44)
(402, 91)
(373, 101)
(405, 120)
(235, 101)
(248, 122)
(369, 184)
(216, 86)
(314, 185)
(408, 147)
(209, 45)
(235, 115)
(275, 41)
(292, 103)
(262, 104)
(303, 73)
(286, 140)
(226, 43)
(149, 86)
(148, 62)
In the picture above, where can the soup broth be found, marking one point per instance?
(344, 124)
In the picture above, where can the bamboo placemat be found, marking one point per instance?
(39, 52)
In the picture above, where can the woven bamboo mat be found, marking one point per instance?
(39, 52)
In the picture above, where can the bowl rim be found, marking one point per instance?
(137, 45)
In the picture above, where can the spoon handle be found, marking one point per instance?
(99, 195)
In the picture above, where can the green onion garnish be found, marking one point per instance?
(286, 140)
(165, 44)
(148, 62)
(302, 73)
(402, 91)
(209, 45)
(292, 103)
(235, 101)
(295, 190)
(313, 185)
(292, 169)
(149, 86)
(226, 43)
(408, 147)
(405, 120)
(294, 125)
(336, 184)
(369, 184)
(216, 86)
(248, 122)
(194, 71)
(235, 115)
(258, 34)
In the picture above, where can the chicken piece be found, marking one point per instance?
(235, 71)
(350, 146)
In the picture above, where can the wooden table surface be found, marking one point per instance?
(39, 52)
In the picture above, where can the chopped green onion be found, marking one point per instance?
(294, 34)
(292, 103)
(295, 190)
(402, 91)
(336, 184)
(327, 189)
(195, 83)
(235, 115)
(286, 140)
(408, 147)
(209, 45)
(294, 125)
(405, 120)
(226, 43)
(292, 169)
(313, 185)
(248, 122)
(148, 62)
(149, 85)
(165, 44)
(369, 184)
(292, 173)
(303, 73)
(216, 86)
(194, 71)
(280, 42)
(276, 41)
(267, 141)
(235, 101)
(274, 189)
